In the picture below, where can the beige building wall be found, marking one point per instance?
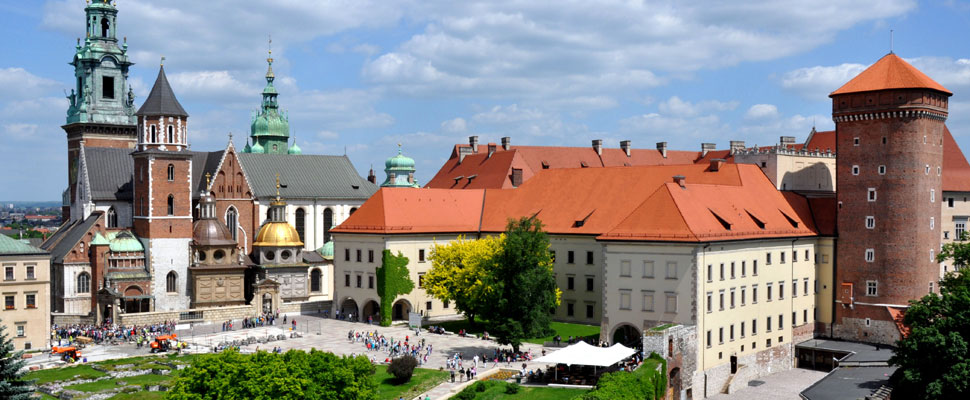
(953, 220)
(825, 282)
(583, 302)
(326, 282)
(647, 284)
(793, 170)
(27, 325)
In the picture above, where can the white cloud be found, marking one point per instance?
(677, 107)
(19, 131)
(762, 111)
(218, 85)
(681, 132)
(18, 83)
(948, 72)
(329, 135)
(508, 114)
(456, 125)
(815, 83)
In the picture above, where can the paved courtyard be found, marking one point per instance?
(783, 385)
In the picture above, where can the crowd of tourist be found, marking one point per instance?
(107, 333)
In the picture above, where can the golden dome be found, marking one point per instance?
(277, 234)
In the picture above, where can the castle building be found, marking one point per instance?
(25, 290)
(140, 234)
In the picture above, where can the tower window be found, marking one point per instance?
(927, 169)
(932, 223)
(171, 172)
(112, 218)
(301, 223)
(882, 170)
(171, 282)
(327, 224)
(170, 137)
(871, 288)
(855, 141)
(884, 140)
(870, 222)
(870, 255)
(932, 195)
(872, 194)
(855, 170)
(232, 221)
(108, 87)
(83, 283)
(105, 27)
(171, 205)
(154, 134)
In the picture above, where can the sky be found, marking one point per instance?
(360, 76)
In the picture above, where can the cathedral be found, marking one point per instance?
(152, 226)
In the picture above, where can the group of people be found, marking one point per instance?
(375, 341)
(62, 335)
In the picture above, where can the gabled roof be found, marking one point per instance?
(62, 243)
(890, 72)
(109, 172)
(305, 176)
(956, 169)
(11, 246)
(822, 141)
(161, 100)
(410, 210)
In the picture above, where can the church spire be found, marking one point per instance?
(270, 127)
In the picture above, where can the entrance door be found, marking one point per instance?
(734, 364)
(267, 303)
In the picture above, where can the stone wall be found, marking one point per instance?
(878, 331)
(71, 319)
(207, 314)
(306, 307)
(677, 345)
(752, 366)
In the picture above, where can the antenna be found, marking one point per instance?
(890, 41)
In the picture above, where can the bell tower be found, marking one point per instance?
(101, 111)
(889, 123)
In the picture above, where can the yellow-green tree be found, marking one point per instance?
(461, 273)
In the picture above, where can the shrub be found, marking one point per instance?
(465, 395)
(402, 368)
(512, 388)
(479, 386)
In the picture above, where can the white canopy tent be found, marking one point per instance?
(581, 353)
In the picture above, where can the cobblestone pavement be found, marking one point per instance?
(783, 385)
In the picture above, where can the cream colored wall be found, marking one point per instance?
(776, 273)
(580, 271)
(326, 283)
(409, 246)
(36, 321)
(825, 275)
(642, 285)
(793, 170)
(960, 212)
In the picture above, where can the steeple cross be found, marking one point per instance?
(277, 186)
(208, 180)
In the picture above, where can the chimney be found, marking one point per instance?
(506, 143)
(473, 142)
(463, 152)
(716, 164)
(662, 148)
(706, 147)
(625, 146)
(516, 177)
(787, 140)
(491, 149)
(680, 180)
(598, 146)
(371, 177)
(736, 146)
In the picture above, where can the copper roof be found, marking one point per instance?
(890, 72)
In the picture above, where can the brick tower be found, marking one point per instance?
(889, 137)
(101, 111)
(162, 200)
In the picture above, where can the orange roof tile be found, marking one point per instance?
(898, 315)
(956, 169)
(410, 210)
(821, 141)
(890, 72)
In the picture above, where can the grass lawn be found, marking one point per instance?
(421, 381)
(64, 374)
(139, 396)
(97, 386)
(496, 390)
(564, 329)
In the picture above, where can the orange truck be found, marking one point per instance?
(162, 343)
(67, 353)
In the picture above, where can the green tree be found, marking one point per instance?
(524, 283)
(958, 251)
(934, 359)
(393, 279)
(12, 383)
(462, 272)
(292, 375)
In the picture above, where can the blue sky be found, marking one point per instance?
(361, 76)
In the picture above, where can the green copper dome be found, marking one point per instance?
(256, 148)
(294, 149)
(399, 161)
(247, 149)
(326, 251)
(400, 171)
(124, 241)
(270, 127)
(99, 240)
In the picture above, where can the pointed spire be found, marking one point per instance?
(161, 100)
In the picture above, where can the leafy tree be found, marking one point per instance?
(12, 383)
(293, 375)
(958, 251)
(525, 287)
(402, 368)
(393, 279)
(461, 272)
(934, 359)
(644, 383)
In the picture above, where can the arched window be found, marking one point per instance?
(301, 223)
(171, 205)
(232, 221)
(112, 218)
(352, 210)
(171, 282)
(171, 172)
(105, 27)
(83, 283)
(154, 134)
(327, 224)
(269, 213)
(315, 276)
(170, 138)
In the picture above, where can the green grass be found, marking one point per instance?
(496, 390)
(422, 381)
(147, 379)
(564, 329)
(139, 396)
(65, 374)
(662, 327)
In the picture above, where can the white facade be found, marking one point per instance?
(168, 255)
(76, 303)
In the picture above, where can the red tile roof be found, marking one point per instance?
(898, 315)
(615, 203)
(890, 72)
(821, 141)
(956, 169)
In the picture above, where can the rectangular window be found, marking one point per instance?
(754, 294)
(589, 283)
(370, 255)
(732, 297)
(8, 302)
(744, 268)
(794, 319)
(625, 268)
(932, 223)
(671, 270)
(30, 272)
(720, 296)
(781, 322)
(732, 269)
(807, 255)
(648, 269)
(870, 255)
(754, 267)
(781, 290)
(421, 255)
(742, 328)
(960, 228)
(855, 170)
(782, 256)
(805, 315)
(648, 301)
(731, 333)
(20, 331)
(855, 141)
(872, 194)
(671, 306)
(346, 254)
(882, 170)
(754, 327)
(708, 338)
(358, 255)
(347, 280)
(108, 87)
(794, 288)
(768, 258)
(931, 287)
(589, 311)
(570, 309)
(427, 305)
(720, 335)
(872, 288)
(805, 285)
(625, 300)
(932, 195)
(722, 271)
(949, 202)
(589, 258)
(769, 291)
(31, 301)
(360, 280)
(794, 256)
(710, 272)
(8, 273)
(570, 285)
(710, 300)
(744, 293)
(370, 281)
(767, 324)
(445, 304)
(570, 257)
(870, 222)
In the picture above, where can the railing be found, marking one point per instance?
(190, 316)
